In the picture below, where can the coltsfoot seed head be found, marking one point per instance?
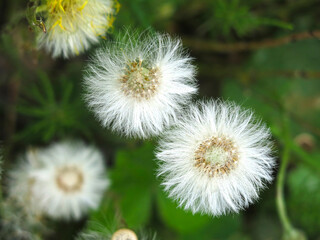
(215, 159)
(64, 180)
(138, 85)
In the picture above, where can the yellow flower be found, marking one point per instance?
(73, 25)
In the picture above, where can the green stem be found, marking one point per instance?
(280, 185)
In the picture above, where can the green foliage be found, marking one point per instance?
(7, 47)
(304, 198)
(236, 15)
(52, 110)
(270, 88)
(133, 181)
(280, 84)
(178, 219)
(221, 16)
(195, 226)
(136, 190)
(103, 220)
(293, 56)
(145, 13)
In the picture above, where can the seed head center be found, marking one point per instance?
(69, 179)
(216, 156)
(139, 81)
(63, 6)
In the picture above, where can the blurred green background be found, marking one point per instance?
(239, 57)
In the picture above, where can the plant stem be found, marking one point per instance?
(280, 185)
(211, 46)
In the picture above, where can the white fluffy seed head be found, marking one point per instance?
(64, 180)
(73, 25)
(138, 84)
(216, 159)
(21, 184)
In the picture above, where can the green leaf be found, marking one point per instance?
(302, 55)
(39, 127)
(176, 218)
(219, 228)
(304, 198)
(237, 15)
(275, 22)
(68, 88)
(136, 207)
(34, 93)
(133, 180)
(103, 220)
(53, 111)
(139, 13)
(46, 86)
(30, 111)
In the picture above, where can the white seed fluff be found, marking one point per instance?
(21, 184)
(138, 84)
(73, 25)
(215, 160)
(65, 180)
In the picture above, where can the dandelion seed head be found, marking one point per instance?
(62, 181)
(138, 85)
(216, 159)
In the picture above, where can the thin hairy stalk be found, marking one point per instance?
(281, 206)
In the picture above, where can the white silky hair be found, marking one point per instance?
(85, 28)
(20, 184)
(125, 114)
(221, 194)
(47, 197)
